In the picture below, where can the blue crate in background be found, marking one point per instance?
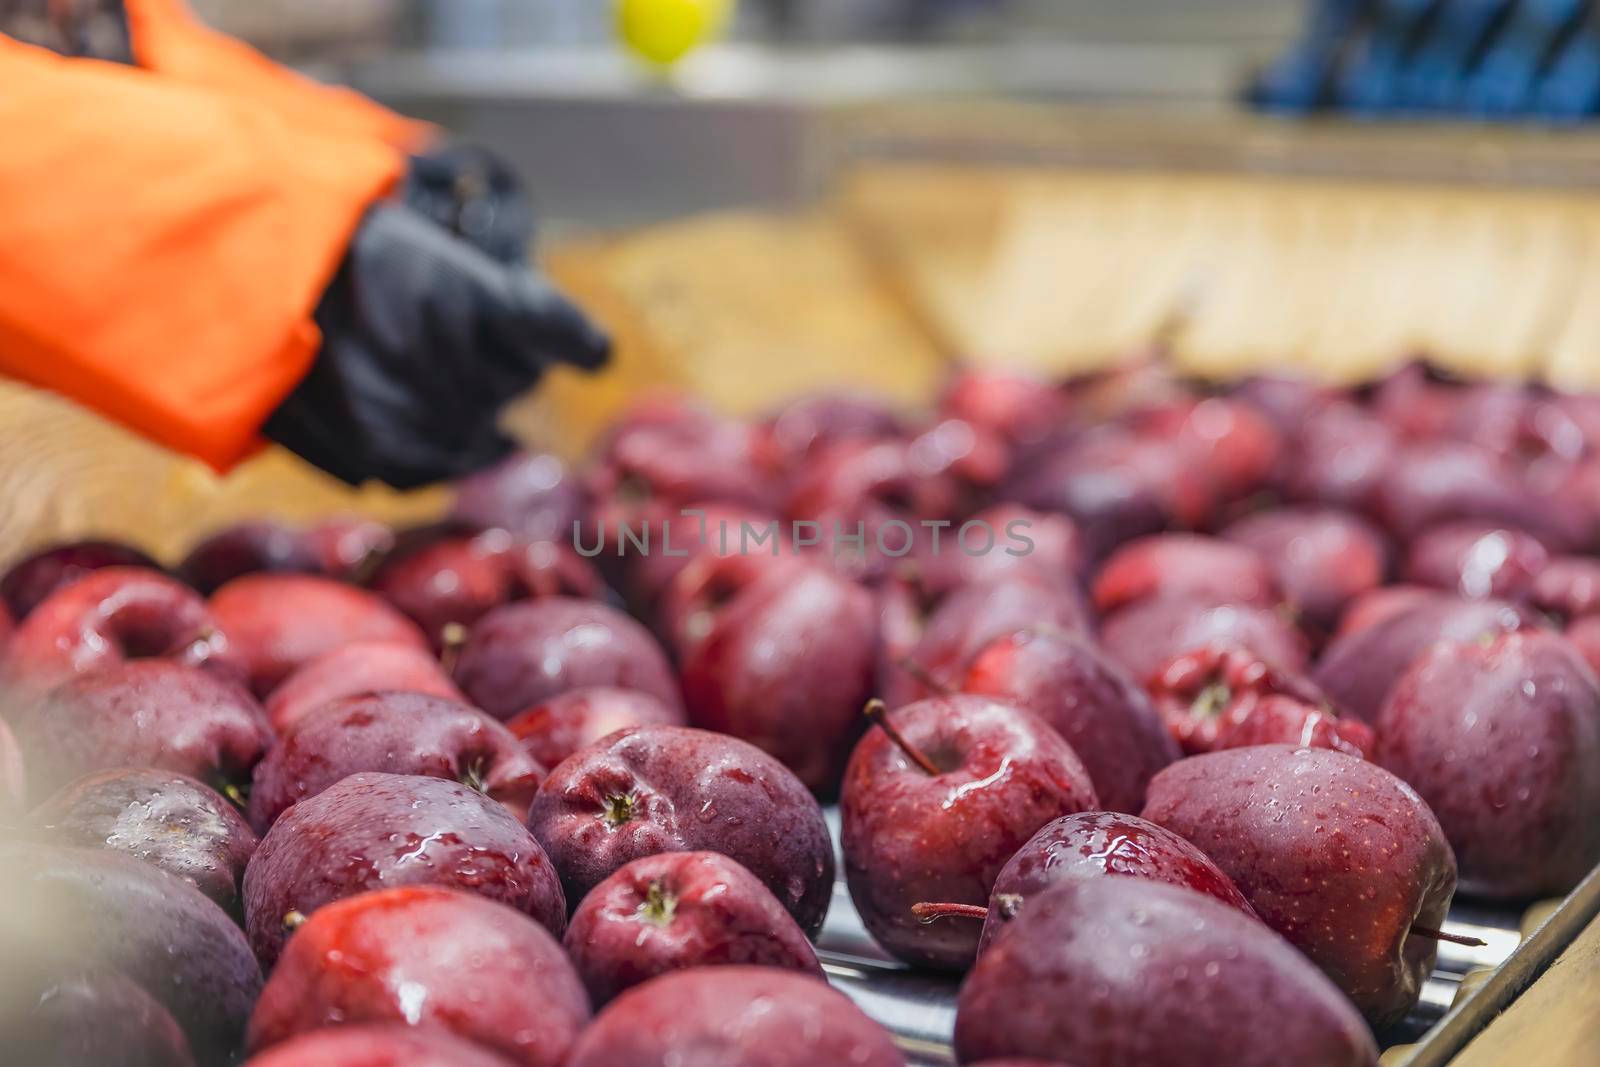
(1527, 60)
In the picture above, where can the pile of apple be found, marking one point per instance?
(1183, 768)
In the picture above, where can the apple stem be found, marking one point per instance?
(237, 795)
(927, 913)
(924, 677)
(451, 637)
(1455, 939)
(877, 711)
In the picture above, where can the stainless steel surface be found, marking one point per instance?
(1519, 971)
(918, 1007)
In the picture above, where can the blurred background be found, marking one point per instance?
(766, 112)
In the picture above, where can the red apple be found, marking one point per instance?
(457, 579)
(881, 491)
(521, 654)
(453, 580)
(1476, 560)
(1089, 700)
(1285, 400)
(972, 617)
(377, 1045)
(1125, 972)
(111, 616)
(786, 664)
(1502, 739)
(673, 451)
(1230, 444)
(248, 548)
(722, 1016)
(555, 729)
(1145, 637)
(143, 714)
(1014, 408)
(1115, 485)
(280, 622)
(346, 545)
(1102, 844)
(1357, 671)
(1340, 456)
(806, 427)
(162, 818)
(1335, 853)
(530, 494)
(1211, 692)
(677, 910)
(90, 1017)
(1438, 481)
(432, 958)
(1568, 587)
(396, 733)
(935, 801)
(1026, 543)
(682, 534)
(652, 789)
(373, 831)
(1383, 603)
(359, 667)
(34, 577)
(1584, 634)
(1322, 559)
(1183, 565)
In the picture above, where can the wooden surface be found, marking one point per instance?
(1064, 270)
(67, 473)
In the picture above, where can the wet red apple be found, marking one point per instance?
(555, 729)
(1183, 565)
(148, 713)
(934, 801)
(395, 733)
(521, 654)
(380, 831)
(248, 548)
(1338, 855)
(280, 622)
(678, 910)
(34, 577)
(111, 616)
(432, 958)
(720, 1016)
(1089, 700)
(1502, 739)
(353, 669)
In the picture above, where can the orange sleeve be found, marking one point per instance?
(162, 248)
(170, 41)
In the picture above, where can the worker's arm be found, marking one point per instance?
(167, 252)
(466, 190)
(162, 248)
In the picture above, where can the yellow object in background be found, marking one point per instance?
(664, 31)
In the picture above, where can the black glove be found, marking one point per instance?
(475, 196)
(424, 339)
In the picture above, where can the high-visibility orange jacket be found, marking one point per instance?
(167, 229)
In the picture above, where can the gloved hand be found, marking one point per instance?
(475, 196)
(424, 339)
